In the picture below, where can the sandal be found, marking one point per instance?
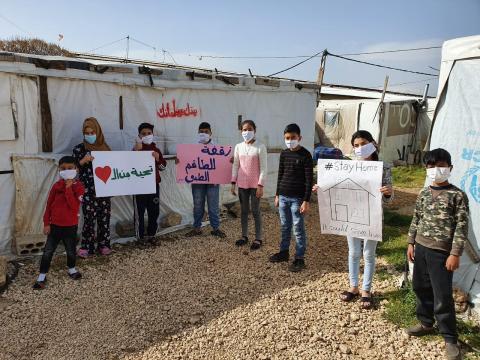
(348, 296)
(242, 241)
(366, 302)
(257, 244)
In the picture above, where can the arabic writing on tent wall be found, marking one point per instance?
(173, 110)
(204, 164)
(349, 198)
(123, 173)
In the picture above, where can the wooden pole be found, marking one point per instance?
(321, 72)
(46, 116)
(381, 114)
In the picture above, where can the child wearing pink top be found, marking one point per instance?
(249, 174)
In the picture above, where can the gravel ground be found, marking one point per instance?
(202, 298)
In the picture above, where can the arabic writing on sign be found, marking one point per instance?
(204, 164)
(121, 174)
(171, 111)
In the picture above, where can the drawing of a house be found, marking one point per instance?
(350, 202)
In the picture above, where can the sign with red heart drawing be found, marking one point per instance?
(123, 173)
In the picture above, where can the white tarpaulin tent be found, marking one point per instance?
(405, 129)
(44, 100)
(456, 128)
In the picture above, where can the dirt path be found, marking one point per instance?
(202, 298)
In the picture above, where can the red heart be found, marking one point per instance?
(103, 173)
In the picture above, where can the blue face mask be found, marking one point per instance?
(91, 138)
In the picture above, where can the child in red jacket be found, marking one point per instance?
(61, 219)
(148, 202)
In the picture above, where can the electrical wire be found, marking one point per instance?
(408, 82)
(297, 64)
(111, 43)
(15, 25)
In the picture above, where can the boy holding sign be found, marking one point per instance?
(148, 202)
(206, 192)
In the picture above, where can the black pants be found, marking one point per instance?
(432, 284)
(66, 234)
(151, 203)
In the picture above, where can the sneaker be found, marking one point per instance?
(452, 352)
(281, 256)
(104, 250)
(420, 330)
(83, 253)
(297, 265)
(219, 233)
(75, 276)
(40, 285)
(193, 233)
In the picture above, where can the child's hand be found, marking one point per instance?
(315, 188)
(68, 183)
(46, 230)
(305, 207)
(453, 262)
(259, 193)
(232, 190)
(138, 145)
(232, 160)
(277, 202)
(411, 253)
(177, 161)
(386, 190)
(156, 155)
(86, 159)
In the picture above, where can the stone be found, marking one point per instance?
(171, 219)
(125, 229)
(344, 349)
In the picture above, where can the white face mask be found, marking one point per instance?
(248, 135)
(147, 140)
(438, 174)
(365, 151)
(203, 138)
(292, 144)
(68, 174)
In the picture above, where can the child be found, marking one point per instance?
(208, 192)
(436, 238)
(149, 202)
(249, 173)
(294, 188)
(365, 149)
(95, 209)
(61, 220)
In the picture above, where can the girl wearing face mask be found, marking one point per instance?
(249, 173)
(95, 209)
(365, 149)
(148, 202)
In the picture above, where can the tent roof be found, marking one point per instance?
(461, 48)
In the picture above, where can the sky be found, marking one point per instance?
(190, 30)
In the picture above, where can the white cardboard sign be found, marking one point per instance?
(349, 198)
(123, 173)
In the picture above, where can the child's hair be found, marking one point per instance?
(437, 155)
(292, 128)
(204, 125)
(364, 134)
(249, 122)
(66, 160)
(145, 126)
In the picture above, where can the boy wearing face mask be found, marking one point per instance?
(61, 220)
(148, 202)
(294, 188)
(436, 239)
(206, 192)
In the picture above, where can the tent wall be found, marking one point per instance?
(457, 129)
(71, 101)
(19, 126)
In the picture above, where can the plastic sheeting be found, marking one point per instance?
(71, 101)
(457, 129)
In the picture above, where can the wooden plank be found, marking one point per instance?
(267, 82)
(192, 75)
(120, 112)
(46, 116)
(228, 79)
(311, 86)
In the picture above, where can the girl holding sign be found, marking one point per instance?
(365, 148)
(249, 174)
(94, 209)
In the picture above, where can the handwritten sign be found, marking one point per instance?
(123, 173)
(349, 198)
(167, 111)
(204, 164)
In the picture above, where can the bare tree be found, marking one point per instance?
(33, 46)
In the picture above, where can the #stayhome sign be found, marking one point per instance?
(204, 164)
(349, 198)
(123, 173)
